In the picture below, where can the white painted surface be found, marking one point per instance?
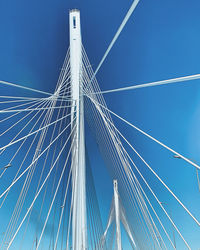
(79, 221)
(117, 215)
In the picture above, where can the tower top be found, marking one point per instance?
(74, 10)
(115, 184)
(75, 26)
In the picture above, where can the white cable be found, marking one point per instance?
(24, 137)
(56, 241)
(43, 104)
(24, 156)
(35, 103)
(129, 13)
(10, 243)
(150, 188)
(198, 223)
(26, 185)
(23, 87)
(35, 109)
(58, 185)
(34, 161)
(152, 84)
(146, 134)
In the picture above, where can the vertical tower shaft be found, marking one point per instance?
(79, 224)
(117, 215)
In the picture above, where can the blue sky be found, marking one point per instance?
(160, 41)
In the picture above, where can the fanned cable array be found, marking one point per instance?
(36, 143)
(36, 150)
(146, 224)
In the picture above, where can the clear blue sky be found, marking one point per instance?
(160, 41)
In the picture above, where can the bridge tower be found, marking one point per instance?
(117, 215)
(79, 221)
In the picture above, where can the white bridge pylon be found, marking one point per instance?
(117, 214)
(79, 216)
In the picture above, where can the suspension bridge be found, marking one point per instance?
(43, 151)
